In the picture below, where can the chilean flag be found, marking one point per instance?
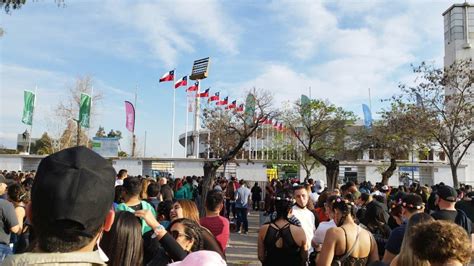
(223, 102)
(203, 94)
(232, 105)
(214, 97)
(275, 125)
(168, 76)
(268, 122)
(193, 87)
(182, 82)
(280, 127)
(240, 108)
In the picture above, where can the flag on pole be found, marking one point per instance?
(232, 105)
(28, 108)
(250, 103)
(275, 125)
(85, 110)
(240, 108)
(130, 116)
(367, 116)
(268, 122)
(168, 76)
(182, 82)
(214, 97)
(203, 94)
(280, 127)
(193, 87)
(223, 102)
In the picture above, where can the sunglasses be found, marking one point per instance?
(175, 234)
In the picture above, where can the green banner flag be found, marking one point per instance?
(305, 106)
(85, 110)
(249, 108)
(28, 108)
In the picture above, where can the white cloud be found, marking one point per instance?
(171, 29)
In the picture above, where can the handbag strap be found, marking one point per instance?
(348, 253)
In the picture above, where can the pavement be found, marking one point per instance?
(242, 249)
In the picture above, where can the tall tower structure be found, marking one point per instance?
(459, 45)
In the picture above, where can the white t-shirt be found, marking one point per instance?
(307, 220)
(314, 197)
(320, 233)
(118, 182)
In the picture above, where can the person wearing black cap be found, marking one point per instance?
(411, 204)
(71, 205)
(8, 221)
(467, 205)
(446, 202)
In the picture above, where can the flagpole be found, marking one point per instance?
(208, 143)
(144, 146)
(89, 129)
(370, 101)
(32, 116)
(186, 127)
(134, 143)
(174, 117)
(266, 144)
(196, 121)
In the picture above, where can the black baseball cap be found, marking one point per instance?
(447, 193)
(74, 185)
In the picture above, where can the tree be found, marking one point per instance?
(67, 113)
(320, 127)
(393, 135)
(230, 131)
(44, 145)
(8, 5)
(442, 100)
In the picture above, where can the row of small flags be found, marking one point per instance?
(169, 76)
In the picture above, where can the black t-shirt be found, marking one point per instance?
(394, 242)
(445, 215)
(467, 207)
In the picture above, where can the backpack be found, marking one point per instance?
(464, 221)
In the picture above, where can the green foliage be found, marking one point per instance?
(43, 146)
(122, 154)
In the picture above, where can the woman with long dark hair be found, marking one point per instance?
(123, 244)
(280, 242)
(375, 222)
(347, 244)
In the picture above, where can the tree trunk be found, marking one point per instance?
(389, 172)
(454, 172)
(332, 173)
(207, 183)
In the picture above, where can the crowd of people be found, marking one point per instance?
(75, 209)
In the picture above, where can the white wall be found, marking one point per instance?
(11, 163)
(188, 168)
(133, 166)
(252, 172)
(317, 173)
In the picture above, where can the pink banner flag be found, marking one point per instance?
(130, 115)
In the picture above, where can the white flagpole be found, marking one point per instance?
(174, 118)
(32, 116)
(266, 143)
(196, 119)
(89, 129)
(208, 143)
(134, 144)
(186, 127)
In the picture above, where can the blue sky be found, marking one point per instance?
(338, 48)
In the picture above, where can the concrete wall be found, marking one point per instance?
(252, 172)
(11, 163)
(134, 166)
(188, 168)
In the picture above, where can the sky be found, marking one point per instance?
(332, 50)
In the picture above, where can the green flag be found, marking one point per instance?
(305, 106)
(249, 108)
(85, 110)
(28, 108)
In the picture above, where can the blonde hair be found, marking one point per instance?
(406, 255)
(190, 210)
